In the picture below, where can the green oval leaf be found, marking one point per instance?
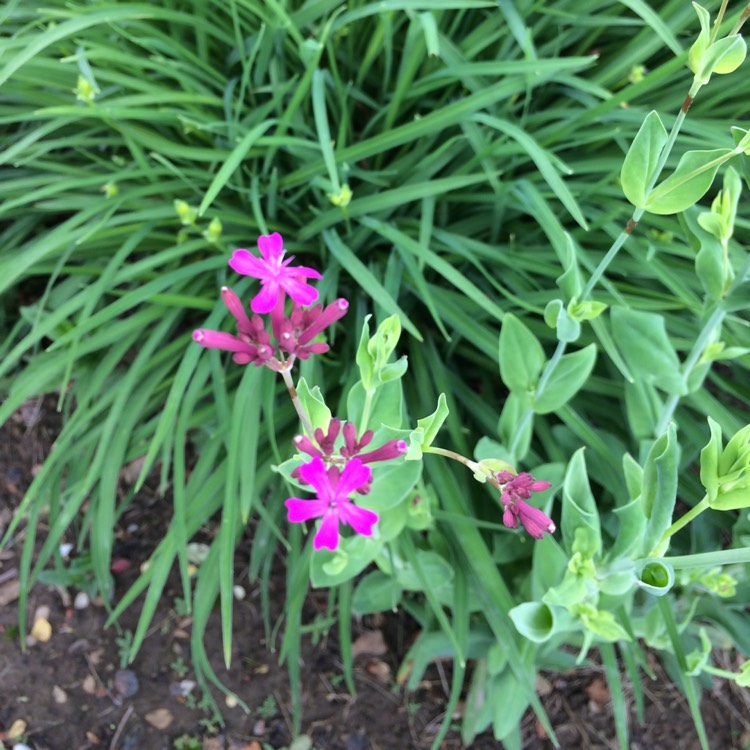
(566, 380)
(641, 160)
(688, 183)
(521, 356)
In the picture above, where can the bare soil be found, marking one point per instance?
(71, 694)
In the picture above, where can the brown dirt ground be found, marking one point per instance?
(65, 689)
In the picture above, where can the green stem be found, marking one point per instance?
(287, 376)
(611, 253)
(473, 466)
(736, 556)
(740, 21)
(529, 413)
(683, 521)
(453, 455)
(720, 672)
(719, 19)
(710, 327)
(608, 258)
(366, 411)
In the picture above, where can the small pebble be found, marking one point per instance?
(81, 601)
(41, 630)
(119, 565)
(181, 689)
(17, 728)
(59, 695)
(239, 593)
(161, 718)
(126, 683)
(42, 612)
(89, 684)
(197, 552)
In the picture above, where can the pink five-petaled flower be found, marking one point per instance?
(333, 488)
(275, 274)
(517, 488)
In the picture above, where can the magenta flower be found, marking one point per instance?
(516, 489)
(333, 505)
(275, 274)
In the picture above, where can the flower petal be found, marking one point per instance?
(360, 519)
(299, 291)
(304, 271)
(265, 300)
(271, 247)
(314, 473)
(244, 262)
(299, 510)
(328, 533)
(355, 475)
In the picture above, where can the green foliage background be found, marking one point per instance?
(475, 136)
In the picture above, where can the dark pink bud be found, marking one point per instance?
(386, 452)
(535, 521)
(304, 444)
(334, 427)
(350, 438)
(234, 305)
(516, 489)
(219, 340)
(365, 440)
(305, 352)
(285, 336)
(327, 442)
(332, 313)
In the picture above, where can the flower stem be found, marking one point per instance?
(736, 556)
(682, 521)
(719, 19)
(740, 21)
(452, 454)
(366, 411)
(473, 466)
(608, 258)
(712, 324)
(719, 672)
(287, 376)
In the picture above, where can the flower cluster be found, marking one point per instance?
(334, 485)
(293, 333)
(516, 489)
(338, 466)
